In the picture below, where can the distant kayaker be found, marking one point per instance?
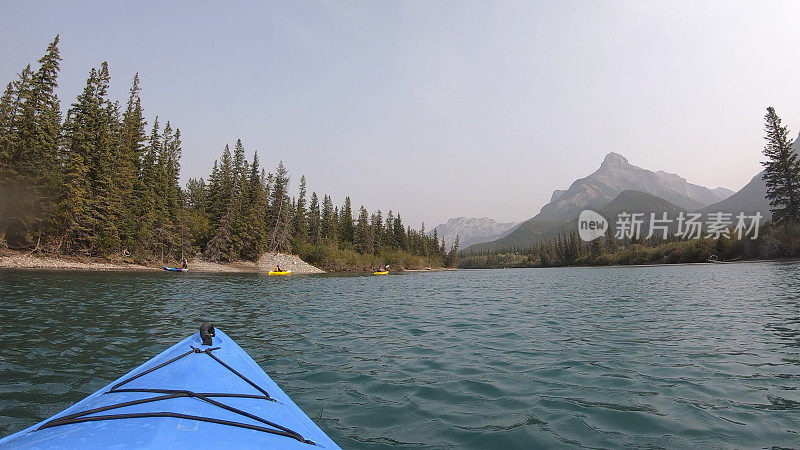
(184, 263)
(278, 269)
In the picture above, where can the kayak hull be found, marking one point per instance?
(283, 272)
(385, 272)
(174, 269)
(193, 421)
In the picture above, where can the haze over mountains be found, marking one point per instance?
(619, 185)
(471, 230)
(626, 201)
(751, 198)
(615, 175)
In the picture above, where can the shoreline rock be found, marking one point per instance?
(22, 260)
(268, 261)
(30, 261)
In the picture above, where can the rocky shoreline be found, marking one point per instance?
(34, 261)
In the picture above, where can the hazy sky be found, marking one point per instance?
(445, 108)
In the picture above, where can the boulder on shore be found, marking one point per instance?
(268, 261)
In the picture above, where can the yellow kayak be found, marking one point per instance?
(282, 272)
(383, 272)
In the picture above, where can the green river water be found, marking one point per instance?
(701, 356)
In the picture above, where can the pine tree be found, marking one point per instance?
(8, 107)
(72, 210)
(239, 161)
(279, 218)
(105, 207)
(255, 241)
(423, 240)
(376, 223)
(335, 224)
(46, 172)
(132, 143)
(227, 174)
(452, 256)
(164, 224)
(212, 195)
(399, 233)
(180, 239)
(218, 248)
(197, 217)
(145, 197)
(16, 107)
(328, 227)
(241, 232)
(433, 247)
(88, 204)
(595, 249)
(363, 237)
(30, 129)
(314, 220)
(222, 185)
(782, 171)
(300, 222)
(388, 240)
(346, 227)
(575, 249)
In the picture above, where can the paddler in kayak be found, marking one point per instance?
(184, 263)
(278, 269)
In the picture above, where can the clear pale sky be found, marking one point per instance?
(446, 108)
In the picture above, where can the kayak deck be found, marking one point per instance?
(189, 395)
(282, 272)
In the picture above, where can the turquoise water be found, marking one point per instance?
(674, 356)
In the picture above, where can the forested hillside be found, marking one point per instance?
(102, 181)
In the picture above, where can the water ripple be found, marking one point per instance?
(645, 357)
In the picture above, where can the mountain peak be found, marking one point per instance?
(614, 159)
(472, 230)
(615, 175)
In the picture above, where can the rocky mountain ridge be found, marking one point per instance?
(473, 230)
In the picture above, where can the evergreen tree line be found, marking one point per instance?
(242, 211)
(91, 182)
(568, 250)
(99, 182)
(779, 238)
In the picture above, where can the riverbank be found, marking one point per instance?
(23, 260)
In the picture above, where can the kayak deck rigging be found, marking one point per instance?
(85, 416)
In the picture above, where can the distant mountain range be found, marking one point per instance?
(619, 186)
(532, 232)
(616, 184)
(471, 230)
(615, 175)
(750, 198)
